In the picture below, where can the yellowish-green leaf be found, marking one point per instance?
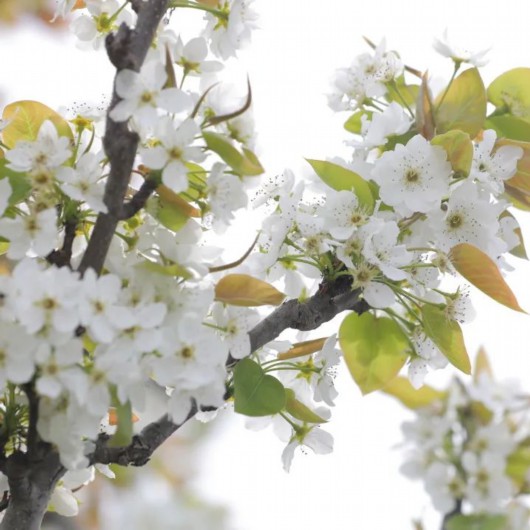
(459, 149)
(245, 164)
(339, 178)
(424, 110)
(20, 184)
(518, 466)
(511, 91)
(481, 271)
(354, 123)
(168, 196)
(464, 105)
(482, 365)
(25, 119)
(509, 126)
(402, 93)
(303, 348)
(520, 250)
(482, 414)
(174, 269)
(447, 335)
(374, 348)
(477, 522)
(413, 398)
(517, 188)
(244, 290)
(300, 411)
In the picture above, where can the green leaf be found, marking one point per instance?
(256, 393)
(354, 123)
(245, 164)
(374, 348)
(20, 185)
(298, 410)
(124, 433)
(477, 522)
(517, 467)
(340, 178)
(402, 92)
(447, 335)
(509, 126)
(25, 119)
(173, 216)
(413, 398)
(459, 149)
(464, 105)
(511, 91)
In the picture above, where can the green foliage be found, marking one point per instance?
(340, 178)
(447, 335)
(375, 349)
(245, 164)
(459, 149)
(477, 522)
(510, 92)
(255, 392)
(463, 107)
(20, 185)
(298, 410)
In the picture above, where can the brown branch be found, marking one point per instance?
(332, 298)
(448, 516)
(126, 49)
(63, 256)
(138, 200)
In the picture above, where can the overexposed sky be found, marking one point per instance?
(290, 61)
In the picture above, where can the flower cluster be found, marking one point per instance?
(417, 191)
(468, 446)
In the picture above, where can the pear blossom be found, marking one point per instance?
(231, 31)
(226, 195)
(84, 182)
(35, 232)
(413, 178)
(191, 57)
(318, 440)
(365, 78)
(44, 155)
(343, 213)
(236, 323)
(492, 166)
(457, 54)
(469, 217)
(103, 17)
(377, 129)
(142, 93)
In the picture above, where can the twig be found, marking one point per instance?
(332, 298)
(138, 200)
(62, 257)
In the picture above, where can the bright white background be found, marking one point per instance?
(290, 61)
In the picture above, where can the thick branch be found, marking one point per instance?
(331, 299)
(31, 484)
(126, 49)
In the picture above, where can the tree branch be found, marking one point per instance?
(332, 298)
(448, 516)
(126, 49)
(138, 200)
